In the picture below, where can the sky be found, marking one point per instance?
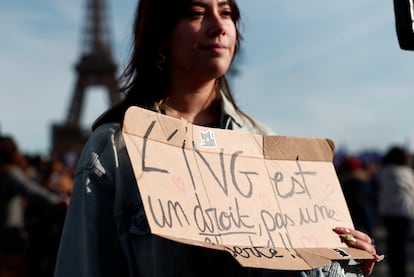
(326, 69)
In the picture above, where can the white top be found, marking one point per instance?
(396, 191)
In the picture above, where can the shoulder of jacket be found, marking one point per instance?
(105, 132)
(107, 128)
(103, 137)
(253, 125)
(242, 121)
(100, 151)
(264, 129)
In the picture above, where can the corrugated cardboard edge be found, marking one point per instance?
(337, 253)
(310, 258)
(297, 148)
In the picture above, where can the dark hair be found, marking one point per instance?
(396, 155)
(145, 80)
(8, 150)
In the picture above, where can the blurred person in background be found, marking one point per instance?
(17, 192)
(354, 180)
(43, 227)
(396, 206)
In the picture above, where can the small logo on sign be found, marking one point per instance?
(207, 139)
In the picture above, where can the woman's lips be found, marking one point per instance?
(215, 47)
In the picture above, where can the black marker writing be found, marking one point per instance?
(144, 150)
(213, 221)
(249, 192)
(274, 222)
(253, 251)
(318, 213)
(287, 189)
(167, 213)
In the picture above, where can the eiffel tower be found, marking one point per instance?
(95, 67)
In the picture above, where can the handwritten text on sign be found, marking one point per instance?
(207, 185)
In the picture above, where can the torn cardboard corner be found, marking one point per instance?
(269, 201)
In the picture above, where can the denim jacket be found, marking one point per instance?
(106, 232)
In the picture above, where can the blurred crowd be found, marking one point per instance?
(34, 196)
(35, 193)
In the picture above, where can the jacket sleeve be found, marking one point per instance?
(89, 245)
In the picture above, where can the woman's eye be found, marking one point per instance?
(196, 14)
(226, 13)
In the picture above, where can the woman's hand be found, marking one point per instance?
(360, 240)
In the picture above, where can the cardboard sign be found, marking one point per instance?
(270, 201)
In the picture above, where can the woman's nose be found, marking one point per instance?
(216, 25)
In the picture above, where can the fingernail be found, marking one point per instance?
(379, 258)
(341, 230)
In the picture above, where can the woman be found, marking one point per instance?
(182, 51)
(396, 207)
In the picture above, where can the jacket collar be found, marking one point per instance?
(229, 115)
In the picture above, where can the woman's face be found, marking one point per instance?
(203, 41)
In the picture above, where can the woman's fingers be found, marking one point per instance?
(356, 239)
(360, 240)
